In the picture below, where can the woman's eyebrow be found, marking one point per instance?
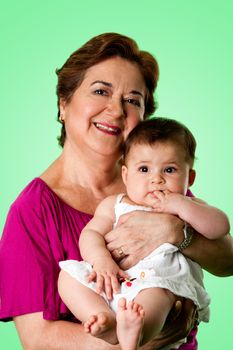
(101, 82)
(134, 92)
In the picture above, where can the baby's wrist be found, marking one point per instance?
(100, 258)
(175, 228)
(179, 204)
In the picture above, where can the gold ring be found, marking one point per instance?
(120, 252)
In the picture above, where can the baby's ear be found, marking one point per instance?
(192, 176)
(124, 173)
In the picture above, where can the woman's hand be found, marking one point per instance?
(180, 321)
(138, 233)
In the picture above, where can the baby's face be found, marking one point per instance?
(159, 167)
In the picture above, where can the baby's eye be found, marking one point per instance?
(100, 92)
(143, 169)
(133, 102)
(170, 170)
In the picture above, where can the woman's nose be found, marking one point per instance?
(116, 108)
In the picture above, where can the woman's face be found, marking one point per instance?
(107, 105)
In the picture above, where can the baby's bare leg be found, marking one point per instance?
(129, 324)
(156, 303)
(89, 307)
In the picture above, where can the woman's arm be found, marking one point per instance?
(38, 334)
(145, 231)
(181, 319)
(215, 256)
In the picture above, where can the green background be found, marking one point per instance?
(192, 41)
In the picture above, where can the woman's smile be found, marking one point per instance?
(107, 128)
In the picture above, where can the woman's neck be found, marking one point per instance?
(75, 176)
(90, 170)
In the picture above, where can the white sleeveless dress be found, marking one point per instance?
(165, 267)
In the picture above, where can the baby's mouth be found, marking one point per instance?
(153, 193)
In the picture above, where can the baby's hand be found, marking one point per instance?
(106, 273)
(167, 202)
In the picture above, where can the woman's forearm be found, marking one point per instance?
(215, 256)
(38, 334)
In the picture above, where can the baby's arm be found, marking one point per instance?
(93, 249)
(209, 221)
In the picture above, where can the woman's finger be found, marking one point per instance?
(127, 262)
(111, 238)
(124, 218)
(119, 253)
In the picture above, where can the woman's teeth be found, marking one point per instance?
(111, 129)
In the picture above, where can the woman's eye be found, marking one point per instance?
(100, 92)
(133, 102)
(170, 170)
(143, 169)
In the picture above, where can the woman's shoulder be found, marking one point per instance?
(38, 207)
(33, 194)
(38, 199)
(26, 216)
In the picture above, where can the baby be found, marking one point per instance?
(157, 172)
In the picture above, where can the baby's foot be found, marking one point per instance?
(130, 320)
(102, 325)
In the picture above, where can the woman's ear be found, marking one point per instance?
(62, 106)
(192, 176)
(124, 173)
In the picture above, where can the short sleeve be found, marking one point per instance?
(28, 269)
(20, 276)
(23, 244)
(40, 231)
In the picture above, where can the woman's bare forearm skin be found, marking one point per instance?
(215, 256)
(38, 334)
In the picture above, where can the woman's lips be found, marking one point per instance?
(108, 129)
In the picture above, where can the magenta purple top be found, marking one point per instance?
(40, 231)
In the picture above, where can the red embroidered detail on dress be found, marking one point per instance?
(128, 281)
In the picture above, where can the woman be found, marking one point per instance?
(104, 89)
